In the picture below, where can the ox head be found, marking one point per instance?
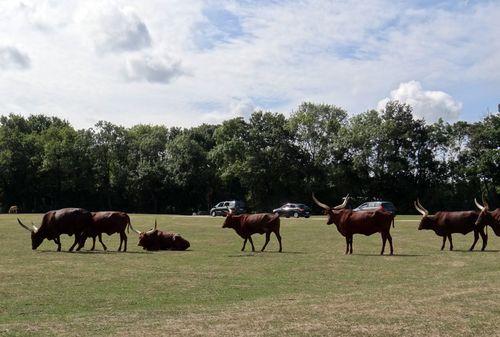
(332, 211)
(485, 216)
(229, 221)
(427, 221)
(36, 237)
(145, 238)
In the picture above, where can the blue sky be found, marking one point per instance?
(187, 62)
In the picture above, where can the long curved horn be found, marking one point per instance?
(421, 208)
(344, 204)
(35, 228)
(24, 226)
(133, 229)
(319, 203)
(478, 205)
(418, 209)
(152, 229)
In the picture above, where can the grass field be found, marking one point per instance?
(311, 289)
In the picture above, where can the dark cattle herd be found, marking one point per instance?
(84, 224)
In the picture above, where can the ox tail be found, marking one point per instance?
(393, 223)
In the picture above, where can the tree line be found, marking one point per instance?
(267, 160)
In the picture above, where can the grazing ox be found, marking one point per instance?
(349, 223)
(108, 222)
(247, 224)
(13, 209)
(71, 221)
(446, 223)
(487, 218)
(159, 240)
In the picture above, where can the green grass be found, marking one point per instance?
(214, 289)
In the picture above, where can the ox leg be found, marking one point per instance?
(57, 240)
(80, 241)
(444, 242)
(102, 243)
(123, 237)
(93, 243)
(251, 242)
(451, 242)
(476, 238)
(347, 245)
(268, 236)
(244, 244)
(121, 241)
(389, 237)
(278, 236)
(484, 236)
(384, 239)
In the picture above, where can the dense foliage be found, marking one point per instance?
(268, 160)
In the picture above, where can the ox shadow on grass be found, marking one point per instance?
(90, 252)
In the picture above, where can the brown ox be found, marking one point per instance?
(487, 218)
(160, 240)
(108, 222)
(446, 223)
(247, 224)
(367, 223)
(71, 221)
(13, 210)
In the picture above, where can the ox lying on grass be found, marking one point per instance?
(247, 224)
(71, 221)
(108, 222)
(160, 240)
(487, 217)
(446, 223)
(349, 223)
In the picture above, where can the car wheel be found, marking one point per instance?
(307, 216)
(214, 213)
(287, 215)
(295, 215)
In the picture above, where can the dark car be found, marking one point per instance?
(223, 207)
(373, 205)
(293, 209)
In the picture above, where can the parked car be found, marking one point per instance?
(223, 207)
(373, 205)
(293, 209)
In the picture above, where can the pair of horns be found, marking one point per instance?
(420, 208)
(146, 232)
(325, 206)
(33, 230)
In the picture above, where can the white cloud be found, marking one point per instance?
(13, 58)
(235, 108)
(152, 68)
(113, 28)
(429, 105)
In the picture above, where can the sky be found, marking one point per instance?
(188, 62)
